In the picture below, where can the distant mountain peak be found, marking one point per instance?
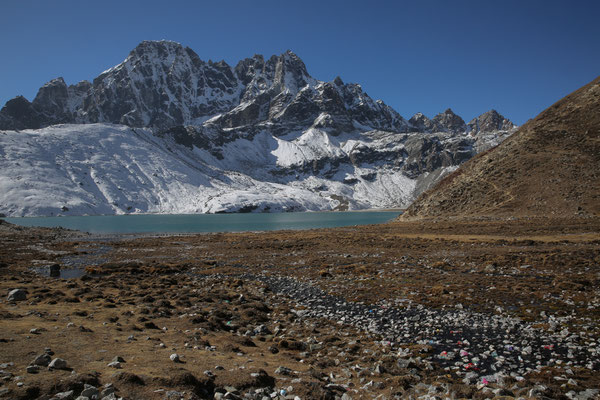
(56, 81)
(448, 121)
(18, 113)
(150, 45)
(421, 123)
(489, 121)
(338, 81)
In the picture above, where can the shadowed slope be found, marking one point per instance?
(551, 166)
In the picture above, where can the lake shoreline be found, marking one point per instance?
(204, 223)
(3, 216)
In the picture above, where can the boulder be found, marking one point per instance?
(17, 295)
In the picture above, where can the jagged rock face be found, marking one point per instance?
(77, 92)
(52, 98)
(443, 122)
(375, 114)
(490, 121)
(57, 103)
(448, 122)
(18, 113)
(278, 74)
(281, 91)
(162, 84)
(421, 123)
(269, 90)
(429, 153)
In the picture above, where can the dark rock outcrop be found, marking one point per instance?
(490, 121)
(19, 113)
(442, 122)
(448, 122)
(429, 153)
(421, 123)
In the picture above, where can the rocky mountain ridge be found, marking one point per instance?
(162, 84)
(263, 135)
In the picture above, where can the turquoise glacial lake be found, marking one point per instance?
(198, 223)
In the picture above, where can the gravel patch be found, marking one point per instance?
(472, 344)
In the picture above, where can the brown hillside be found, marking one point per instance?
(550, 167)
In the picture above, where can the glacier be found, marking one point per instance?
(99, 169)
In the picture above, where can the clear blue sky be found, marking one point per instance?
(518, 57)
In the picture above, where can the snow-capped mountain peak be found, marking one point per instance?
(202, 136)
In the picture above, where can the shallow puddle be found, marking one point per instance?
(65, 273)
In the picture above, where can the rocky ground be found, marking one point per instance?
(435, 309)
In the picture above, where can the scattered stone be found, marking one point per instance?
(283, 371)
(174, 395)
(43, 360)
(17, 295)
(151, 325)
(405, 363)
(55, 270)
(115, 364)
(175, 358)
(231, 389)
(490, 268)
(58, 363)
(89, 391)
(33, 369)
(262, 379)
(107, 390)
(64, 395)
(261, 330)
